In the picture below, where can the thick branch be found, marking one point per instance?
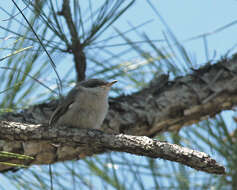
(94, 141)
(164, 105)
(172, 105)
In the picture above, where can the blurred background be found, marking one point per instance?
(130, 41)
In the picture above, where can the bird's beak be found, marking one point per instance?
(111, 83)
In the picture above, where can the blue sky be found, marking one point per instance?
(186, 19)
(189, 18)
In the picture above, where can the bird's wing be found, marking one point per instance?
(63, 107)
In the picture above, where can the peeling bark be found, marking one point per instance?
(162, 106)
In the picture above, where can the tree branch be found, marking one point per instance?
(87, 142)
(76, 46)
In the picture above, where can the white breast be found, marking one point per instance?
(88, 110)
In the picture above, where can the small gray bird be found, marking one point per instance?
(85, 106)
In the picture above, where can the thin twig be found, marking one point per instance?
(76, 46)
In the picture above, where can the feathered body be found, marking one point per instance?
(85, 106)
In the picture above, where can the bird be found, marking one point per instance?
(85, 106)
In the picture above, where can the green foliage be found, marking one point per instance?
(10, 155)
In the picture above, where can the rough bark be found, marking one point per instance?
(51, 144)
(162, 106)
